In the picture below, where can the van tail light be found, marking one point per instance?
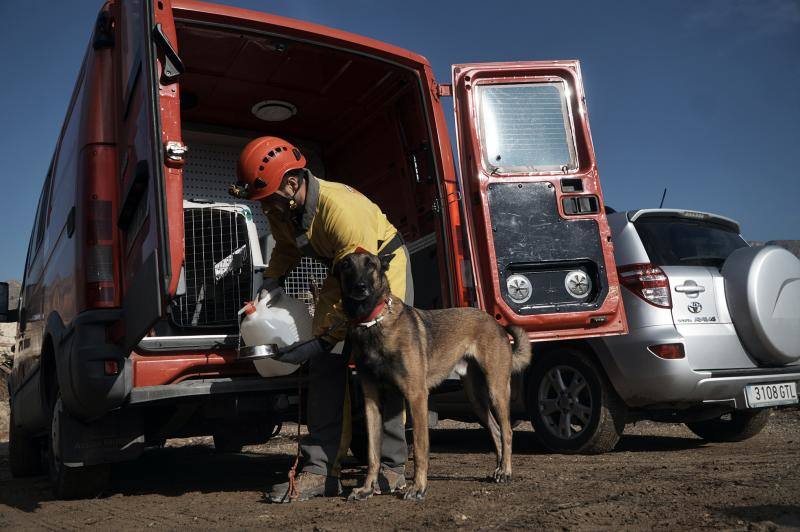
(99, 255)
(100, 276)
(647, 281)
(668, 351)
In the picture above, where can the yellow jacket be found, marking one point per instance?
(336, 220)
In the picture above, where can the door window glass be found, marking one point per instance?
(525, 127)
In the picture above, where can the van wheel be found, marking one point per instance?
(24, 452)
(738, 425)
(571, 404)
(70, 482)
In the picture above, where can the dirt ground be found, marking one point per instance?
(660, 477)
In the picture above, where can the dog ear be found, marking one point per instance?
(337, 268)
(385, 260)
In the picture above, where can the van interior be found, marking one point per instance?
(358, 120)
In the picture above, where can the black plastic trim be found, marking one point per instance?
(208, 387)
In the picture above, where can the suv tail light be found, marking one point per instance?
(647, 281)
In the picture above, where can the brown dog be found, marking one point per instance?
(414, 350)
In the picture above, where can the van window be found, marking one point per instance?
(40, 221)
(130, 47)
(525, 127)
(673, 242)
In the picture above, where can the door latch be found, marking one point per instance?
(176, 152)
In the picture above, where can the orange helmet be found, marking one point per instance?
(262, 165)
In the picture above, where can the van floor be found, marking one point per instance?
(660, 477)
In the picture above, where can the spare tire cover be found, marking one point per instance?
(762, 286)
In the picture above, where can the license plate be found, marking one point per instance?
(777, 393)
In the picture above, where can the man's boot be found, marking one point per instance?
(308, 485)
(390, 481)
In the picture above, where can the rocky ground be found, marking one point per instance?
(660, 477)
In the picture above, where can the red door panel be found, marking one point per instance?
(151, 216)
(539, 240)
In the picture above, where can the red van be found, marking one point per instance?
(139, 260)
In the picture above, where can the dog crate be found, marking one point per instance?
(218, 269)
(209, 169)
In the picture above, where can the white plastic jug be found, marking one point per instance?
(275, 319)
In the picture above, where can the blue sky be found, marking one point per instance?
(700, 97)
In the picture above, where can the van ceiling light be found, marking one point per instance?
(274, 110)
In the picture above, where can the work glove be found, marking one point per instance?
(299, 352)
(268, 285)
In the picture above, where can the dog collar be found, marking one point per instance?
(375, 316)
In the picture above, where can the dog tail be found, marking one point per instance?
(521, 356)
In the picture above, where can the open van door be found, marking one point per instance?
(150, 158)
(539, 240)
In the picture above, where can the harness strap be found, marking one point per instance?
(393, 245)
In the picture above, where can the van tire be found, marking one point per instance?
(71, 482)
(24, 452)
(599, 429)
(742, 425)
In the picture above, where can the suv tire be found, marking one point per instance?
(742, 425)
(71, 482)
(572, 406)
(24, 452)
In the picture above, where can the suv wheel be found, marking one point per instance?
(71, 482)
(571, 404)
(739, 425)
(24, 452)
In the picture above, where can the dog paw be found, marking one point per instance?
(413, 493)
(501, 476)
(360, 494)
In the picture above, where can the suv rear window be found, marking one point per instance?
(673, 242)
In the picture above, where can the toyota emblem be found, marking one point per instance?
(695, 307)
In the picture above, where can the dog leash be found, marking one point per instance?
(292, 492)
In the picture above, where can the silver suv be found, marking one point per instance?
(714, 338)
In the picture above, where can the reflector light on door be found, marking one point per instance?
(668, 351)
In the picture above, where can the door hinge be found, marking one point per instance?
(173, 65)
(444, 89)
(436, 207)
(103, 31)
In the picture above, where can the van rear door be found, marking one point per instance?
(538, 235)
(150, 159)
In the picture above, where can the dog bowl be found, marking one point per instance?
(263, 359)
